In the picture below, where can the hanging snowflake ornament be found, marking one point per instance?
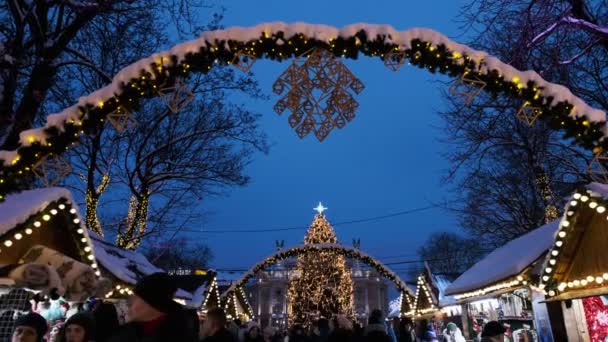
(394, 60)
(318, 93)
(597, 170)
(467, 88)
(528, 114)
(121, 119)
(51, 171)
(243, 61)
(177, 96)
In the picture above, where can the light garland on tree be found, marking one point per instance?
(92, 200)
(425, 49)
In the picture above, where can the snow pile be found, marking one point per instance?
(127, 266)
(506, 261)
(598, 189)
(325, 33)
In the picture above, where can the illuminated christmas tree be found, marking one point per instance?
(324, 286)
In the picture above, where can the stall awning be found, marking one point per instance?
(506, 263)
(577, 264)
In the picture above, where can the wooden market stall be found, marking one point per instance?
(575, 271)
(45, 254)
(124, 268)
(203, 286)
(432, 305)
(501, 288)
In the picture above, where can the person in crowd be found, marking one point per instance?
(430, 335)
(214, 328)
(406, 330)
(321, 331)
(254, 334)
(452, 333)
(298, 334)
(343, 331)
(376, 329)
(30, 327)
(153, 315)
(268, 334)
(79, 327)
(106, 321)
(493, 332)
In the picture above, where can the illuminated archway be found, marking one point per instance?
(347, 252)
(423, 48)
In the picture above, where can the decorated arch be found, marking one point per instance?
(160, 74)
(347, 252)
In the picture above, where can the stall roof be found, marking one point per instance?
(576, 267)
(506, 261)
(17, 208)
(127, 266)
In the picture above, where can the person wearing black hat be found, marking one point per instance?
(493, 332)
(79, 328)
(214, 328)
(30, 327)
(153, 315)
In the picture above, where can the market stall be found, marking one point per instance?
(500, 287)
(432, 305)
(575, 272)
(203, 286)
(124, 268)
(47, 256)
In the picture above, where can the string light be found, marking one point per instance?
(272, 45)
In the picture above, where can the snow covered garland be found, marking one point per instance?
(279, 41)
(315, 248)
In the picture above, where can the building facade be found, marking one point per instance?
(267, 293)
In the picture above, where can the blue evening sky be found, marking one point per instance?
(387, 160)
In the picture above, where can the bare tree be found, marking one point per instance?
(179, 253)
(37, 43)
(449, 254)
(510, 176)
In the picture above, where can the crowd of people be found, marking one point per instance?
(153, 316)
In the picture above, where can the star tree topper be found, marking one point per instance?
(320, 208)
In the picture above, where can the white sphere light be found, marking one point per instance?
(600, 209)
(37, 224)
(584, 198)
(592, 205)
(562, 234)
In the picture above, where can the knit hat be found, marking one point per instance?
(492, 328)
(157, 290)
(85, 321)
(35, 321)
(451, 326)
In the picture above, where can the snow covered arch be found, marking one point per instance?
(279, 41)
(347, 252)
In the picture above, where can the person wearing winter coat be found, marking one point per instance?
(493, 332)
(214, 328)
(376, 329)
(153, 315)
(30, 327)
(78, 328)
(452, 333)
(106, 321)
(297, 334)
(406, 330)
(343, 331)
(254, 334)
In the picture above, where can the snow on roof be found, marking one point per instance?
(127, 266)
(403, 39)
(394, 307)
(17, 208)
(598, 189)
(506, 261)
(442, 284)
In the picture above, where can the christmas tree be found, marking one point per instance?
(324, 286)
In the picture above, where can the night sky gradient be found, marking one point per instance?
(387, 160)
